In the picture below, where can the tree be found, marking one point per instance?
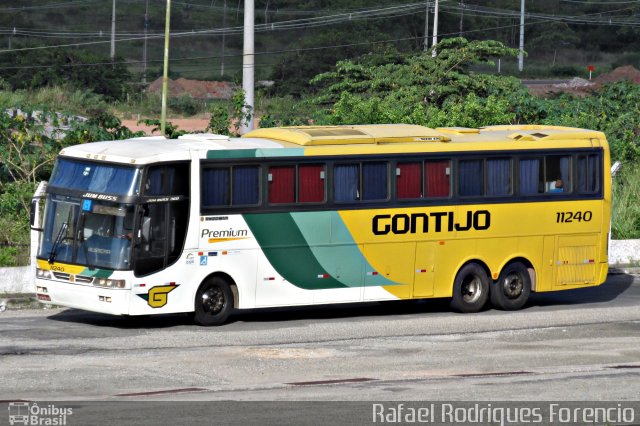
(418, 88)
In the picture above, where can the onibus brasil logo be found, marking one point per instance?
(30, 413)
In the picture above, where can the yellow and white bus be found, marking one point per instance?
(317, 215)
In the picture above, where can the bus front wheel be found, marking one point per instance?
(470, 289)
(214, 302)
(513, 287)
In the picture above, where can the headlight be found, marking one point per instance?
(109, 283)
(43, 273)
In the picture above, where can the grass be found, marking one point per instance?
(626, 203)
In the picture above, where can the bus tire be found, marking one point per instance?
(470, 289)
(214, 302)
(513, 287)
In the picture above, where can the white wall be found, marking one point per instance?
(17, 280)
(21, 279)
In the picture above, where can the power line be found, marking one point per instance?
(273, 52)
(47, 6)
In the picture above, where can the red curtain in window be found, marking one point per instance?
(436, 179)
(310, 183)
(282, 185)
(409, 182)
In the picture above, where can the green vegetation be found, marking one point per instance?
(383, 86)
(625, 212)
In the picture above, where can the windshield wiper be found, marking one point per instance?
(58, 240)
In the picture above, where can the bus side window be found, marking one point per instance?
(409, 180)
(530, 173)
(437, 179)
(346, 182)
(499, 176)
(470, 181)
(374, 181)
(557, 174)
(282, 184)
(588, 174)
(311, 183)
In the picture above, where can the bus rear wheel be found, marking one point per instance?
(470, 289)
(214, 302)
(513, 287)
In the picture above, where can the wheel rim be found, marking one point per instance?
(213, 300)
(512, 285)
(471, 289)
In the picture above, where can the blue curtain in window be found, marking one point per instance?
(529, 174)
(215, 187)
(565, 170)
(94, 177)
(245, 185)
(470, 182)
(582, 174)
(374, 181)
(69, 174)
(499, 177)
(346, 182)
(594, 174)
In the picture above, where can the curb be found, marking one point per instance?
(624, 270)
(19, 301)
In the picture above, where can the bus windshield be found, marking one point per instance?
(88, 232)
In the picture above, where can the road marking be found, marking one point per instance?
(163, 392)
(331, 382)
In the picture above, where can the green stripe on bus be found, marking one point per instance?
(97, 273)
(337, 251)
(288, 252)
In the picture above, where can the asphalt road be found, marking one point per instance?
(575, 345)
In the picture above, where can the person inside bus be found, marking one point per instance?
(557, 186)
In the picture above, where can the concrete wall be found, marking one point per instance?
(624, 252)
(17, 280)
(20, 280)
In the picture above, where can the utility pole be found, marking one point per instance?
(224, 34)
(248, 62)
(434, 40)
(426, 26)
(165, 75)
(113, 31)
(521, 55)
(144, 48)
(461, 17)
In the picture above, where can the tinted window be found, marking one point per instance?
(588, 174)
(311, 183)
(231, 186)
(499, 176)
(437, 178)
(95, 177)
(409, 180)
(470, 178)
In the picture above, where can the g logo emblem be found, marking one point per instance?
(158, 295)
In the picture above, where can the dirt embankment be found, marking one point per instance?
(582, 87)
